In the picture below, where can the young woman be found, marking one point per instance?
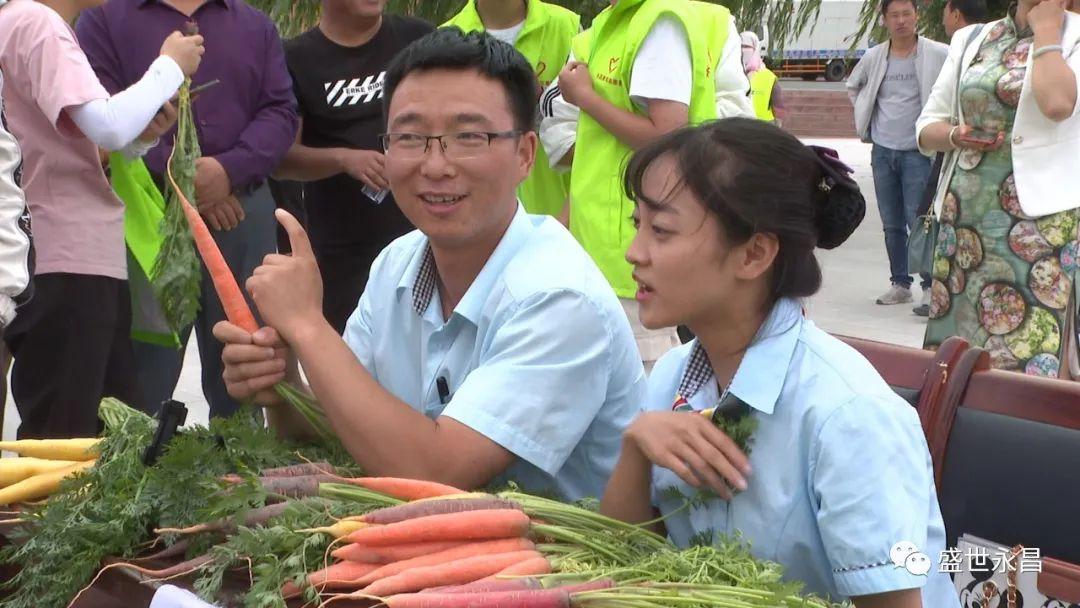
(838, 486)
(76, 326)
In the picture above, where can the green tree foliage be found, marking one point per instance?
(786, 18)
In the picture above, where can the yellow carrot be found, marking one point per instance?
(40, 486)
(340, 529)
(54, 449)
(14, 470)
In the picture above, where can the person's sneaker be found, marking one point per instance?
(897, 294)
(923, 309)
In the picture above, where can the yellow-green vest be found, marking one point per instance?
(761, 87)
(545, 42)
(600, 210)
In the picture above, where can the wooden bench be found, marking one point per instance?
(1007, 448)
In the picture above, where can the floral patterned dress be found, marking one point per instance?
(1002, 280)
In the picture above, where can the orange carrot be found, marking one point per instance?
(405, 489)
(228, 291)
(506, 545)
(457, 572)
(470, 525)
(532, 567)
(390, 554)
(341, 572)
(336, 576)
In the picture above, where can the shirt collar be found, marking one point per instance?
(761, 374)
(1010, 20)
(421, 277)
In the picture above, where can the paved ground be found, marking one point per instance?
(855, 274)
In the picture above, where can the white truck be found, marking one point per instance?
(824, 48)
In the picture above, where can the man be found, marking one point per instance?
(959, 14)
(645, 68)
(889, 87)
(542, 32)
(486, 346)
(245, 124)
(338, 68)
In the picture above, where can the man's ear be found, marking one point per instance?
(527, 151)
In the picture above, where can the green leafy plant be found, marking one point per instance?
(111, 510)
(786, 18)
(176, 277)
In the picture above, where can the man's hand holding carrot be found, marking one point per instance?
(287, 290)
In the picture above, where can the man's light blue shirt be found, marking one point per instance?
(841, 468)
(537, 356)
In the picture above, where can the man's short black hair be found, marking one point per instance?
(885, 4)
(451, 49)
(974, 11)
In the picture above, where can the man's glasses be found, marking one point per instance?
(457, 146)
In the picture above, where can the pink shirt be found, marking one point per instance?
(78, 221)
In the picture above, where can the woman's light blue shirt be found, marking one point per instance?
(841, 468)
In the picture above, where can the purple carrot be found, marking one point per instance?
(253, 517)
(300, 470)
(178, 548)
(297, 487)
(409, 510)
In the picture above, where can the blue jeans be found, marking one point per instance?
(900, 178)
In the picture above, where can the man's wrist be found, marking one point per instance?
(306, 332)
(588, 102)
(339, 155)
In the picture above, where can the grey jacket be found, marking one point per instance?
(865, 80)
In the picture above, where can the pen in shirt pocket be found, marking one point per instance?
(444, 390)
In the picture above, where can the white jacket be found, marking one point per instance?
(15, 251)
(865, 80)
(1046, 154)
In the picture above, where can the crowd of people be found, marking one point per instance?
(969, 142)
(502, 222)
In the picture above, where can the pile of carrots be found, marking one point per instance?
(443, 549)
(41, 466)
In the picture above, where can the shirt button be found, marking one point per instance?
(1019, 139)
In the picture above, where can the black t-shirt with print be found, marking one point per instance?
(339, 90)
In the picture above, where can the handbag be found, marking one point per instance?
(924, 234)
(988, 575)
(921, 244)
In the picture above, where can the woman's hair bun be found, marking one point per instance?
(841, 206)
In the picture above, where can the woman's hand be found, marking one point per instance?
(186, 51)
(575, 82)
(164, 120)
(963, 139)
(1047, 19)
(692, 447)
